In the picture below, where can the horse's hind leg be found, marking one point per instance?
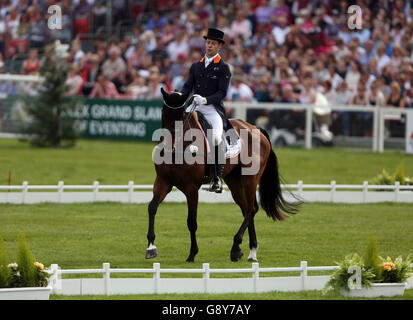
(246, 201)
(192, 200)
(160, 190)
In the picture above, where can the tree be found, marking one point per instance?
(50, 124)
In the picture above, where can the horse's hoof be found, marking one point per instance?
(190, 260)
(150, 254)
(236, 256)
(252, 260)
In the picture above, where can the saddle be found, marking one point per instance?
(232, 150)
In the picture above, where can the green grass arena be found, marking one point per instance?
(86, 235)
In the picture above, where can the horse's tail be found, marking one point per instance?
(271, 198)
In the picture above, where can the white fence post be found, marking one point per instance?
(130, 191)
(303, 267)
(24, 191)
(205, 276)
(255, 276)
(95, 190)
(396, 191)
(156, 277)
(106, 277)
(365, 190)
(300, 188)
(332, 190)
(54, 281)
(60, 191)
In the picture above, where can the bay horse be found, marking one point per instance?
(189, 178)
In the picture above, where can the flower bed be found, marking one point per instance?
(370, 276)
(24, 279)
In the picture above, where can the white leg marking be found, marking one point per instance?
(253, 254)
(151, 246)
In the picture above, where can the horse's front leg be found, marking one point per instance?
(192, 200)
(160, 190)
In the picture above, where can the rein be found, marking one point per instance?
(187, 118)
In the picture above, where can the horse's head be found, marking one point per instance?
(173, 107)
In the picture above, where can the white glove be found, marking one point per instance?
(199, 100)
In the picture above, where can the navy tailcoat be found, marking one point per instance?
(212, 83)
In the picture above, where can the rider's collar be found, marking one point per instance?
(216, 58)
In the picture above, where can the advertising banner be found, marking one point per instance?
(119, 119)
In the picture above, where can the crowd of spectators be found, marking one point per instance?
(278, 50)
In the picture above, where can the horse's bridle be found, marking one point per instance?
(188, 116)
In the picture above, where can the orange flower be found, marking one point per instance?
(388, 266)
(39, 265)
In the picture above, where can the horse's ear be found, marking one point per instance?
(164, 93)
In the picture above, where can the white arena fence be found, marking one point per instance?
(141, 194)
(155, 284)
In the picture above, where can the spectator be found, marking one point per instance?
(280, 31)
(136, 59)
(396, 59)
(342, 98)
(241, 26)
(320, 72)
(12, 22)
(104, 88)
(2, 64)
(375, 97)
(31, 65)
(99, 15)
(148, 40)
(37, 31)
(368, 53)
(90, 73)
(395, 98)
(382, 58)
(81, 15)
(156, 21)
(114, 67)
(137, 90)
(65, 34)
(179, 80)
(76, 53)
(20, 43)
(238, 91)
(353, 75)
(282, 65)
(154, 86)
(201, 11)
(281, 10)
(159, 51)
(197, 41)
(178, 66)
(294, 119)
(74, 81)
(264, 12)
(308, 95)
(262, 92)
(179, 45)
(259, 69)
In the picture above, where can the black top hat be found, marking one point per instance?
(215, 34)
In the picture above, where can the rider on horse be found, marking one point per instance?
(209, 80)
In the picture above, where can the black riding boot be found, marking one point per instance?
(219, 168)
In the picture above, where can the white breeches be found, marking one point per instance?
(214, 119)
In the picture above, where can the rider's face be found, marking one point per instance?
(212, 47)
